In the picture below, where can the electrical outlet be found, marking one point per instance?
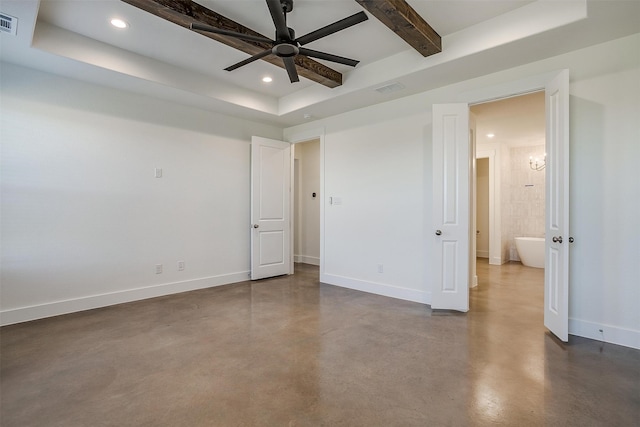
(380, 268)
(180, 265)
(158, 268)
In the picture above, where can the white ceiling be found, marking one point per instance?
(516, 121)
(158, 58)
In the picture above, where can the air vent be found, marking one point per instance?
(391, 87)
(8, 24)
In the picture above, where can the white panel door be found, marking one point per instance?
(556, 276)
(451, 207)
(270, 207)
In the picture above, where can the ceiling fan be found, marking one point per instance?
(286, 45)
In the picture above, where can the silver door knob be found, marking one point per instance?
(438, 232)
(256, 225)
(555, 239)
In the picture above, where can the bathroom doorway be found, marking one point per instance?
(306, 208)
(510, 177)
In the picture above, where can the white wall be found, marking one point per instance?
(307, 233)
(84, 220)
(378, 160)
(375, 166)
(605, 204)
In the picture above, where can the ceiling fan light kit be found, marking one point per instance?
(286, 45)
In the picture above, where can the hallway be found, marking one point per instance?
(290, 351)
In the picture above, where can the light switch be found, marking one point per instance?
(158, 172)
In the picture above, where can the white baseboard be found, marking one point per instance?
(582, 328)
(306, 259)
(482, 254)
(610, 334)
(25, 314)
(377, 288)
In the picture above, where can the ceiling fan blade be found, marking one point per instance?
(249, 60)
(333, 28)
(290, 65)
(277, 14)
(209, 29)
(328, 57)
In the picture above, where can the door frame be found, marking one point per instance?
(297, 137)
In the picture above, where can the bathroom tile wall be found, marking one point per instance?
(523, 208)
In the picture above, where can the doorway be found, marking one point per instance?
(306, 231)
(510, 177)
(453, 174)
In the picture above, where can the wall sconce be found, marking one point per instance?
(537, 164)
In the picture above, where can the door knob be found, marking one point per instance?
(571, 240)
(256, 225)
(557, 239)
(438, 232)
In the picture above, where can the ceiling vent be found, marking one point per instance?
(8, 24)
(391, 87)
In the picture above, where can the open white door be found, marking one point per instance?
(451, 207)
(270, 207)
(556, 275)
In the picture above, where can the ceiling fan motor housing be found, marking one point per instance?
(285, 50)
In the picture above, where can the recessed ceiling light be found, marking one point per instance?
(490, 135)
(267, 79)
(119, 23)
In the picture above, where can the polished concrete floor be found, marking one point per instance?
(290, 351)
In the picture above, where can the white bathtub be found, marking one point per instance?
(531, 251)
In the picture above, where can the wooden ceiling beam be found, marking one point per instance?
(184, 12)
(403, 20)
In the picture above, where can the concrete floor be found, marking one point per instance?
(292, 352)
